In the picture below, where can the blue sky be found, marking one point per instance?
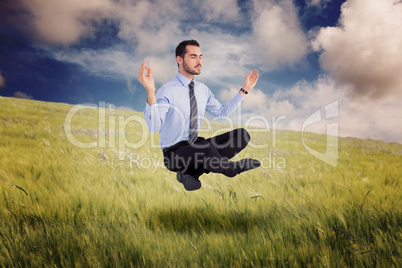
(310, 53)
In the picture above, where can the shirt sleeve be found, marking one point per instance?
(215, 108)
(155, 114)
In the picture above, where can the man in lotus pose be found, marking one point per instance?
(177, 111)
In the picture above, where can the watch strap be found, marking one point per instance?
(244, 91)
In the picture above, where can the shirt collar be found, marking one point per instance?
(183, 79)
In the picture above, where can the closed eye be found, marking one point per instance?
(194, 56)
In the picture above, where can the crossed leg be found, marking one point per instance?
(210, 155)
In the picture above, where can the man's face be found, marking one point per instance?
(192, 60)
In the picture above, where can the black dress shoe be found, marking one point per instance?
(190, 183)
(247, 164)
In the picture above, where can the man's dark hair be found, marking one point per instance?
(181, 48)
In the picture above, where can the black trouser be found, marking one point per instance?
(207, 155)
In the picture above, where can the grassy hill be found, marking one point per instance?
(115, 205)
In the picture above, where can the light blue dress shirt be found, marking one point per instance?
(170, 115)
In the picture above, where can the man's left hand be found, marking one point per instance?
(251, 80)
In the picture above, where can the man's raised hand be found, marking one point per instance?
(148, 82)
(251, 80)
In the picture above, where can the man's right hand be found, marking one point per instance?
(148, 83)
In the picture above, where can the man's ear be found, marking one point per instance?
(179, 60)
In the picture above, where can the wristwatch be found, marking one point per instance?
(244, 91)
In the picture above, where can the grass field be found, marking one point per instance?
(64, 206)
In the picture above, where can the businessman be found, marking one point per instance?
(177, 110)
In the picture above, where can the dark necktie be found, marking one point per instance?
(193, 115)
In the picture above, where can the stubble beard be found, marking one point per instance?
(189, 70)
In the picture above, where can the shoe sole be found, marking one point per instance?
(189, 182)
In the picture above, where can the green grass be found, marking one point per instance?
(61, 205)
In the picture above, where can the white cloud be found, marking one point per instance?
(153, 29)
(364, 50)
(318, 3)
(2, 81)
(279, 37)
(225, 57)
(65, 22)
(164, 68)
(373, 120)
(150, 27)
(22, 95)
(113, 63)
(148, 31)
(256, 99)
(223, 10)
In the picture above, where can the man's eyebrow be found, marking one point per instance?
(195, 55)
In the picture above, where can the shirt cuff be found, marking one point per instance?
(148, 107)
(238, 97)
